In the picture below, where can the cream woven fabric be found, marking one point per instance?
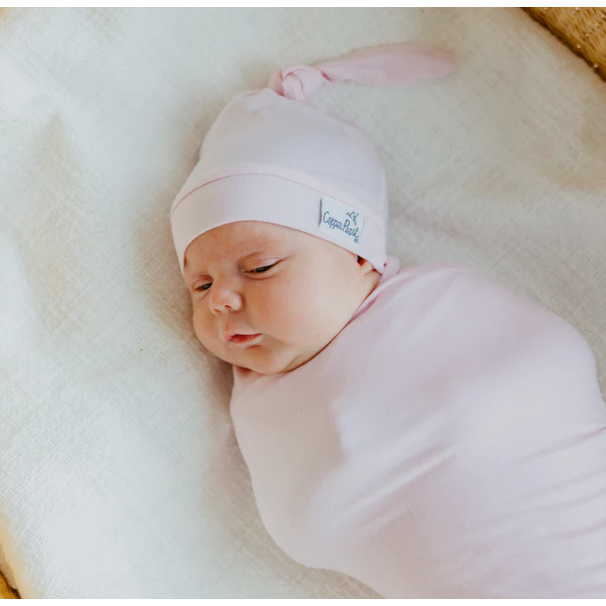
(119, 474)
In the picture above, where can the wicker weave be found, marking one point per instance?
(5, 591)
(582, 29)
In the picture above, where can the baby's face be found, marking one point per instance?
(293, 290)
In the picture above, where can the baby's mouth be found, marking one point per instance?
(243, 339)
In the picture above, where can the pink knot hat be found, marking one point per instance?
(272, 157)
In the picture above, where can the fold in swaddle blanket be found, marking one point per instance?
(449, 442)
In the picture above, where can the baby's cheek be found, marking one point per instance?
(307, 321)
(202, 329)
(293, 311)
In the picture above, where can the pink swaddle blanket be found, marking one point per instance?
(449, 442)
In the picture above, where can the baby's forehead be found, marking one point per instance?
(242, 236)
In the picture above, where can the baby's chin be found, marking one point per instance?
(267, 364)
(265, 360)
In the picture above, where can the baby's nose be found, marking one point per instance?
(224, 299)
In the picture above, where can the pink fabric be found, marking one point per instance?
(384, 66)
(449, 442)
(269, 158)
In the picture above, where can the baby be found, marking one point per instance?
(424, 430)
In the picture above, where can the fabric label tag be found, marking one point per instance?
(340, 219)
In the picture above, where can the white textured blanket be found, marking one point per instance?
(119, 473)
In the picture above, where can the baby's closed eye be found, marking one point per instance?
(257, 270)
(262, 269)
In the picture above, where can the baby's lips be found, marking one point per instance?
(236, 339)
(230, 336)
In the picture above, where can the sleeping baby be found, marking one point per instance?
(423, 430)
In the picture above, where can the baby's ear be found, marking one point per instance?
(365, 265)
